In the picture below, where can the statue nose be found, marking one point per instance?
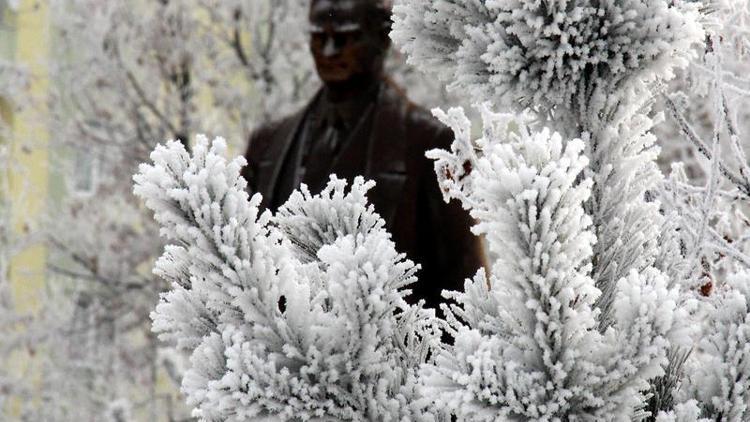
(330, 48)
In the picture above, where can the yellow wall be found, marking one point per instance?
(28, 175)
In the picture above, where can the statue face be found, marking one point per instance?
(344, 43)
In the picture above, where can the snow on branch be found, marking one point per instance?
(720, 376)
(298, 316)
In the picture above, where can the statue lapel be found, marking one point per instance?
(279, 149)
(386, 157)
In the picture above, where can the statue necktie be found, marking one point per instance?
(320, 160)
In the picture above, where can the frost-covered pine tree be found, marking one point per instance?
(527, 340)
(298, 316)
(585, 69)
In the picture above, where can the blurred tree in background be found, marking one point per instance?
(125, 76)
(694, 119)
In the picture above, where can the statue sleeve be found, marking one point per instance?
(451, 252)
(250, 170)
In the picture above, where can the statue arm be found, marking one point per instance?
(456, 252)
(251, 168)
(255, 153)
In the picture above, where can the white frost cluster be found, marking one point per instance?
(720, 374)
(546, 54)
(527, 345)
(297, 317)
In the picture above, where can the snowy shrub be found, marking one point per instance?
(546, 54)
(585, 66)
(298, 316)
(527, 345)
(588, 70)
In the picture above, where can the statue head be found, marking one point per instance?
(349, 40)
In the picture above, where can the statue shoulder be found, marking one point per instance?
(428, 129)
(266, 134)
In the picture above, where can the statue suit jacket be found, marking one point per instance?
(431, 232)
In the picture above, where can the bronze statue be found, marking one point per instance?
(360, 123)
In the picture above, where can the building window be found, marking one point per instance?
(84, 172)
